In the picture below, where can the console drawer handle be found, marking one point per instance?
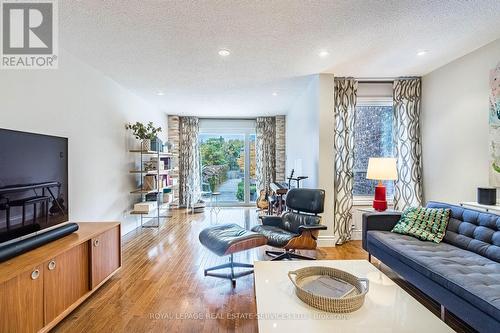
(52, 265)
(96, 242)
(35, 274)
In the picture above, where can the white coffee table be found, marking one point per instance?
(387, 307)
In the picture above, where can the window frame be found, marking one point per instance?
(365, 200)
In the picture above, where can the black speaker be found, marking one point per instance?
(24, 245)
(487, 195)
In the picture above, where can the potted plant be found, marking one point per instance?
(146, 133)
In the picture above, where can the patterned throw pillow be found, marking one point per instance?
(424, 223)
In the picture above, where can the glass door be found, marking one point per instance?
(227, 155)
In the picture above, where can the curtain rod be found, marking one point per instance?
(384, 79)
(375, 79)
(375, 82)
(223, 118)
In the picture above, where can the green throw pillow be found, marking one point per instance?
(424, 223)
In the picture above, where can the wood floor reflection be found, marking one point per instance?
(161, 287)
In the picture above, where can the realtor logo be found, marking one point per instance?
(29, 34)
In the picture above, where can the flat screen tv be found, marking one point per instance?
(33, 183)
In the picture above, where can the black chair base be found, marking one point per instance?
(232, 275)
(287, 255)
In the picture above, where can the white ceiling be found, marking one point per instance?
(172, 46)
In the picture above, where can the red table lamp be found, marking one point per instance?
(381, 168)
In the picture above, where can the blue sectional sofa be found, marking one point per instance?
(462, 272)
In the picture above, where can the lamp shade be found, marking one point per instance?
(382, 168)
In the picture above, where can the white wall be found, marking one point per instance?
(327, 154)
(302, 126)
(455, 126)
(80, 103)
(309, 136)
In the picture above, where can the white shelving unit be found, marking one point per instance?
(162, 207)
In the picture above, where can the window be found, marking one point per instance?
(227, 154)
(372, 138)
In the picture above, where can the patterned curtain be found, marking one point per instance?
(345, 91)
(280, 148)
(189, 162)
(265, 152)
(407, 143)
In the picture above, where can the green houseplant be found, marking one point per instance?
(146, 133)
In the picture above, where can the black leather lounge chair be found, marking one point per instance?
(298, 227)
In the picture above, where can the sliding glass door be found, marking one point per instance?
(227, 154)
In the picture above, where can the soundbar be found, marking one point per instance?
(24, 245)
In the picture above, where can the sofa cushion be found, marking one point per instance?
(427, 224)
(276, 237)
(472, 230)
(467, 274)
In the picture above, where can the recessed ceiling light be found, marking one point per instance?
(160, 93)
(422, 52)
(224, 52)
(323, 54)
(275, 93)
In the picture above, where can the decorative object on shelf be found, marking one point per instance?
(381, 168)
(487, 195)
(145, 206)
(146, 144)
(340, 292)
(156, 144)
(168, 146)
(167, 195)
(150, 165)
(494, 121)
(153, 196)
(146, 133)
(160, 164)
(149, 183)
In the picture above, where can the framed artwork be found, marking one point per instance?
(494, 122)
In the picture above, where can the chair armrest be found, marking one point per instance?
(273, 221)
(379, 221)
(312, 227)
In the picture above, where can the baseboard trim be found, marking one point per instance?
(327, 241)
(356, 235)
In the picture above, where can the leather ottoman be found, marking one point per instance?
(228, 239)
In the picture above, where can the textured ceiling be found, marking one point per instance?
(172, 46)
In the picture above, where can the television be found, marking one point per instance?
(33, 183)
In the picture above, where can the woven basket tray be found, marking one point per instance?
(351, 302)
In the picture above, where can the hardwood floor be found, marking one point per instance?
(161, 287)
